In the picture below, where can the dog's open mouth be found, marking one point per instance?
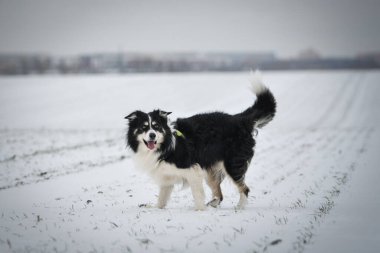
(150, 144)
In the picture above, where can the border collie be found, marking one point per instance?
(205, 146)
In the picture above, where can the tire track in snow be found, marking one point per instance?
(351, 100)
(319, 179)
(299, 156)
(52, 161)
(36, 177)
(311, 193)
(328, 110)
(54, 150)
(329, 196)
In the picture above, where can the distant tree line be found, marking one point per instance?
(11, 64)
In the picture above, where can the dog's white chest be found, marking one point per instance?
(165, 173)
(162, 172)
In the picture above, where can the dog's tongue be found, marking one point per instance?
(151, 144)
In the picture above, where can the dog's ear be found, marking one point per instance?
(164, 114)
(131, 116)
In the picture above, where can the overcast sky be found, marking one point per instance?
(333, 27)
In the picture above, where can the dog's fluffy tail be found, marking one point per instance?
(264, 108)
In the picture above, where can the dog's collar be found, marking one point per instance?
(179, 133)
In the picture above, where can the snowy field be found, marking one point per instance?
(67, 183)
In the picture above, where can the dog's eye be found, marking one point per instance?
(155, 126)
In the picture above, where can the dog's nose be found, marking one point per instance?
(152, 135)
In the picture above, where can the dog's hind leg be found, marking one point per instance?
(217, 196)
(164, 195)
(237, 170)
(243, 190)
(215, 177)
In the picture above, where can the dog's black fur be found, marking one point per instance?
(208, 138)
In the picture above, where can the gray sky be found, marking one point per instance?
(333, 27)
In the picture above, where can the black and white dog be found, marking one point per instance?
(205, 146)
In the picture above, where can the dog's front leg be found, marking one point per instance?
(164, 195)
(196, 185)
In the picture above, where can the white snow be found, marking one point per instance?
(67, 183)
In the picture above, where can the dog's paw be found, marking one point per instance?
(160, 206)
(241, 206)
(214, 203)
(200, 208)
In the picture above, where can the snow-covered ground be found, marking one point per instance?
(67, 183)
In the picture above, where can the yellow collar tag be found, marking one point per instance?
(179, 133)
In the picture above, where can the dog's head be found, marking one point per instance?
(149, 131)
